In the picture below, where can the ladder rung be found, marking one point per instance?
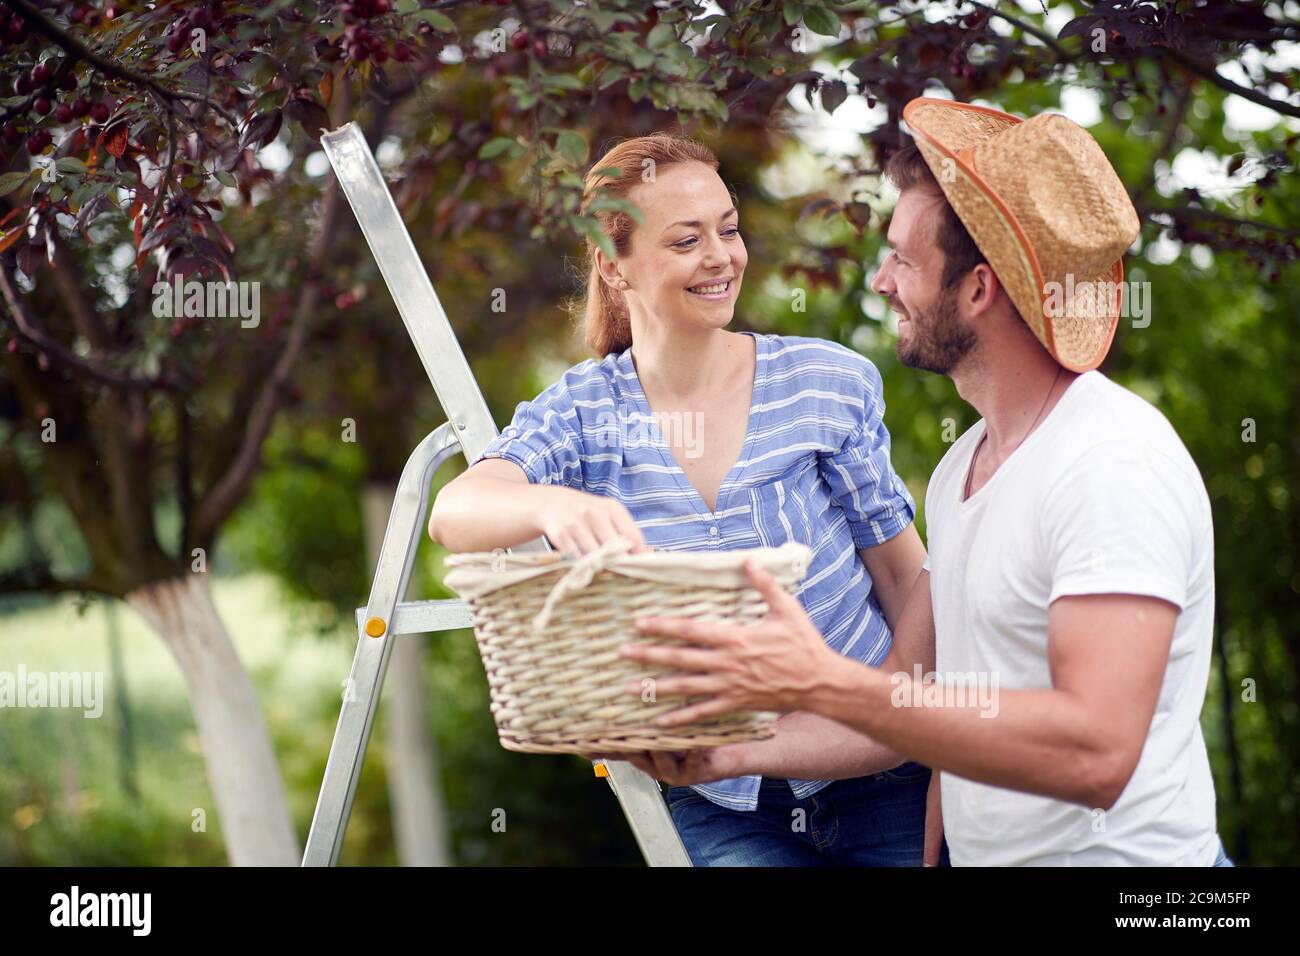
(421, 617)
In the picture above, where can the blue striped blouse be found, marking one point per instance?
(815, 468)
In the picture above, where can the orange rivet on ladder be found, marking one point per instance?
(602, 770)
(375, 627)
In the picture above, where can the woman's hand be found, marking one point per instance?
(681, 768)
(576, 522)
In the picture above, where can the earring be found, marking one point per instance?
(622, 284)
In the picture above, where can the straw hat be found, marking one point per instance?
(1046, 209)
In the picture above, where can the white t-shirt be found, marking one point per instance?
(1101, 498)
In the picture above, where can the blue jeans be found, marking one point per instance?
(1222, 858)
(876, 820)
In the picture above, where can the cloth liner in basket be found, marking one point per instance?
(549, 628)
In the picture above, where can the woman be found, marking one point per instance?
(682, 435)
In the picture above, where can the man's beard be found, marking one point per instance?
(939, 339)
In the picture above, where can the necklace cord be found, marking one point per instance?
(970, 474)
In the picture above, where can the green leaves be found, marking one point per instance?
(622, 205)
(590, 228)
(572, 147)
(603, 20)
(11, 181)
(611, 75)
(500, 146)
(715, 26)
(661, 36)
(820, 20)
(561, 82)
(439, 21)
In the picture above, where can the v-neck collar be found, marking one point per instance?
(628, 368)
(1015, 455)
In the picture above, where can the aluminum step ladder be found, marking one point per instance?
(387, 616)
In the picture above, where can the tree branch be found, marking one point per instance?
(121, 418)
(220, 500)
(88, 322)
(1168, 141)
(1062, 54)
(38, 579)
(29, 330)
(184, 479)
(1147, 212)
(49, 29)
(161, 194)
(22, 108)
(231, 486)
(1207, 72)
(79, 466)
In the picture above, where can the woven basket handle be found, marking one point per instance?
(580, 575)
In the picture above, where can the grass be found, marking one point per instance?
(64, 799)
(64, 796)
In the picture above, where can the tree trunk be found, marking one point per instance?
(419, 812)
(242, 771)
(117, 680)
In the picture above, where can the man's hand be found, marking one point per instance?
(681, 768)
(773, 664)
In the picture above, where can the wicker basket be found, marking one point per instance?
(549, 629)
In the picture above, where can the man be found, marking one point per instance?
(1069, 587)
